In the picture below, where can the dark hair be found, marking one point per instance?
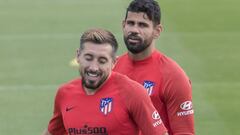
(99, 36)
(149, 7)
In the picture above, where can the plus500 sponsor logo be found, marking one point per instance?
(88, 130)
(187, 109)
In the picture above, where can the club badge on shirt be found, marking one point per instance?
(148, 85)
(106, 105)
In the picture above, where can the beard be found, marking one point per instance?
(92, 84)
(136, 47)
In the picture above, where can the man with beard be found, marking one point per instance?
(165, 81)
(102, 102)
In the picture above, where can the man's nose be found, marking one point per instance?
(94, 66)
(134, 29)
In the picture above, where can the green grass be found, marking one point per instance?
(39, 38)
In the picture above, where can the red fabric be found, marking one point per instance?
(131, 109)
(169, 88)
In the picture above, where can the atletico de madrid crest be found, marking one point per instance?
(106, 105)
(148, 85)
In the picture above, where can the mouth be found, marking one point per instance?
(134, 40)
(92, 79)
(93, 76)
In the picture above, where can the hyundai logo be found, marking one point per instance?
(155, 115)
(187, 105)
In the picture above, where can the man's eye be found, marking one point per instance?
(130, 23)
(102, 61)
(143, 25)
(88, 57)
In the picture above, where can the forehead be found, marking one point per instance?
(138, 16)
(97, 49)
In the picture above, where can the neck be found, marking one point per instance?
(89, 91)
(144, 54)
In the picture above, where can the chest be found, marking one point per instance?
(148, 76)
(94, 114)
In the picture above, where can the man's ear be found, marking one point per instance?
(78, 53)
(123, 23)
(157, 30)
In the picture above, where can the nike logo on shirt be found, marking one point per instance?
(69, 108)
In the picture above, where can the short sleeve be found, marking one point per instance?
(56, 126)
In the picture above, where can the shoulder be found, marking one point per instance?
(122, 63)
(124, 82)
(69, 87)
(128, 87)
(174, 79)
(121, 58)
(170, 69)
(131, 92)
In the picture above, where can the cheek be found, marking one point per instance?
(108, 69)
(126, 29)
(82, 65)
(148, 35)
(78, 61)
(125, 32)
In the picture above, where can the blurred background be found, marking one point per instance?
(38, 39)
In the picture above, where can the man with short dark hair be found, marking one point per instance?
(165, 81)
(102, 102)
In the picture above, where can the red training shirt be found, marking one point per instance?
(168, 86)
(120, 107)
